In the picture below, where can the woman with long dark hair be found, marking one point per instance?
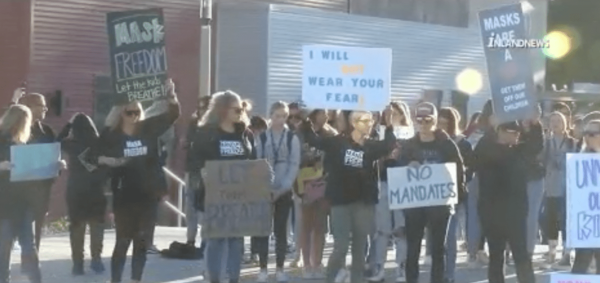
(86, 203)
(222, 134)
(17, 202)
(130, 145)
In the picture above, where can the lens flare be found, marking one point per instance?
(469, 81)
(560, 45)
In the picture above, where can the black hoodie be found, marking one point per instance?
(352, 174)
(212, 143)
(441, 150)
(503, 173)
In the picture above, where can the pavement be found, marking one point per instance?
(56, 264)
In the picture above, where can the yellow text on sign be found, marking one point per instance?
(353, 69)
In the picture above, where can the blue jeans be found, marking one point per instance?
(214, 253)
(451, 243)
(21, 228)
(535, 195)
(473, 222)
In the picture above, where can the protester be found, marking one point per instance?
(258, 125)
(475, 238)
(448, 121)
(585, 256)
(222, 134)
(40, 133)
(86, 202)
(472, 124)
(130, 146)
(351, 187)
(193, 182)
(430, 145)
(556, 147)
(500, 161)
(17, 199)
(533, 134)
(389, 224)
(281, 148)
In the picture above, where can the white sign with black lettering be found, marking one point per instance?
(427, 185)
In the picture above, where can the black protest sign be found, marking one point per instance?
(138, 57)
(426, 185)
(238, 199)
(509, 67)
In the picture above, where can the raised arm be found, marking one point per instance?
(382, 148)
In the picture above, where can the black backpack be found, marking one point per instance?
(290, 138)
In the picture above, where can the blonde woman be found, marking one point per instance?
(222, 134)
(556, 147)
(130, 146)
(16, 201)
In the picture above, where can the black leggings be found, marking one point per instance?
(133, 222)
(281, 214)
(555, 217)
(77, 237)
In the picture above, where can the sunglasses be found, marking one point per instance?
(591, 134)
(422, 120)
(237, 110)
(132, 113)
(295, 117)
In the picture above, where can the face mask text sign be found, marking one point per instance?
(138, 57)
(347, 78)
(238, 199)
(427, 185)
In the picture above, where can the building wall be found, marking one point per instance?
(70, 47)
(15, 27)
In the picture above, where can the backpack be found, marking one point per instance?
(289, 135)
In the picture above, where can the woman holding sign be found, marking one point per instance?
(16, 205)
(222, 134)
(130, 145)
(351, 187)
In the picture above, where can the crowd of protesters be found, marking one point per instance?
(511, 186)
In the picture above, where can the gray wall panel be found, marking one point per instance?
(241, 53)
(424, 56)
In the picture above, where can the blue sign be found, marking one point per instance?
(347, 78)
(509, 69)
(44, 166)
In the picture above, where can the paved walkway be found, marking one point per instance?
(56, 264)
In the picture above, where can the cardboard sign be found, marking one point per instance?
(574, 278)
(509, 69)
(427, 185)
(314, 190)
(238, 199)
(44, 166)
(138, 58)
(347, 78)
(583, 200)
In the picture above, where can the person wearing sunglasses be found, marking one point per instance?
(501, 160)
(130, 146)
(585, 256)
(430, 145)
(351, 187)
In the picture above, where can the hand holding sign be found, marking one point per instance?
(5, 165)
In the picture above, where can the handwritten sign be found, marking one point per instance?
(583, 200)
(427, 185)
(347, 78)
(574, 278)
(402, 132)
(238, 199)
(138, 58)
(44, 166)
(509, 69)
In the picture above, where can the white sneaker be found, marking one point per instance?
(400, 275)
(281, 276)
(427, 260)
(482, 257)
(342, 276)
(378, 275)
(263, 276)
(318, 273)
